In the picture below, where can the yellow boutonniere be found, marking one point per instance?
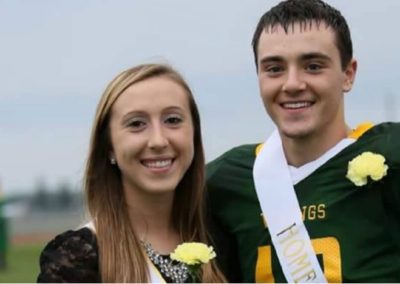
(193, 255)
(366, 165)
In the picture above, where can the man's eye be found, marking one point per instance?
(273, 69)
(314, 67)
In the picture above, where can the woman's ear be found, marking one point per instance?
(113, 161)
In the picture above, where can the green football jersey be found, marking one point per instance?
(354, 230)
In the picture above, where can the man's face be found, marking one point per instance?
(302, 81)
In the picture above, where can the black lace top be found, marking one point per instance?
(73, 257)
(70, 257)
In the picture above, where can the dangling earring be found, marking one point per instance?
(112, 161)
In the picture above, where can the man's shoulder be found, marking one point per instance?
(387, 134)
(383, 129)
(238, 155)
(230, 178)
(238, 158)
(240, 151)
(383, 138)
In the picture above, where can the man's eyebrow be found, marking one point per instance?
(272, 58)
(315, 55)
(303, 57)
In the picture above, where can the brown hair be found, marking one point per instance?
(305, 12)
(121, 258)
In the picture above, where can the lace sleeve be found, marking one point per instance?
(70, 257)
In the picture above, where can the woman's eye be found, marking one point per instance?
(136, 124)
(173, 119)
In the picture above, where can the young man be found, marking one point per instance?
(317, 201)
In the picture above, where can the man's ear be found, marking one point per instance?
(350, 75)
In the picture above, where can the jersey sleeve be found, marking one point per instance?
(391, 190)
(227, 180)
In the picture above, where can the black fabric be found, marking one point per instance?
(70, 257)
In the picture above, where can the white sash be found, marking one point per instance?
(298, 174)
(280, 207)
(154, 274)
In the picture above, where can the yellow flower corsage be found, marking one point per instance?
(366, 165)
(193, 255)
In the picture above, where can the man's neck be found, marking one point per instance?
(300, 151)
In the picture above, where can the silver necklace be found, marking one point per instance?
(177, 271)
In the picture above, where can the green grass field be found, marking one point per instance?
(22, 264)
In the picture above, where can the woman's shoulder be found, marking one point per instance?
(70, 257)
(73, 239)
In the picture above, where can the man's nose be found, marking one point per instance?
(294, 82)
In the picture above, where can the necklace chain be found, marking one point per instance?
(177, 271)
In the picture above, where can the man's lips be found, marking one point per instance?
(297, 104)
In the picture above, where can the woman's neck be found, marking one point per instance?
(151, 219)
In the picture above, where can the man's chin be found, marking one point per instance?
(295, 133)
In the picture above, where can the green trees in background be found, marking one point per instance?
(3, 235)
(63, 197)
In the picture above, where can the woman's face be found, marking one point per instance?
(152, 135)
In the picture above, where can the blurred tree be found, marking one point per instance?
(64, 198)
(41, 198)
(3, 233)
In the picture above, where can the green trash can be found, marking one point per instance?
(3, 237)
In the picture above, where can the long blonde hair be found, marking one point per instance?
(121, 258)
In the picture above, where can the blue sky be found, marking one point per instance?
(56, 58)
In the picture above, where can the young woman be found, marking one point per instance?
(144, 186)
